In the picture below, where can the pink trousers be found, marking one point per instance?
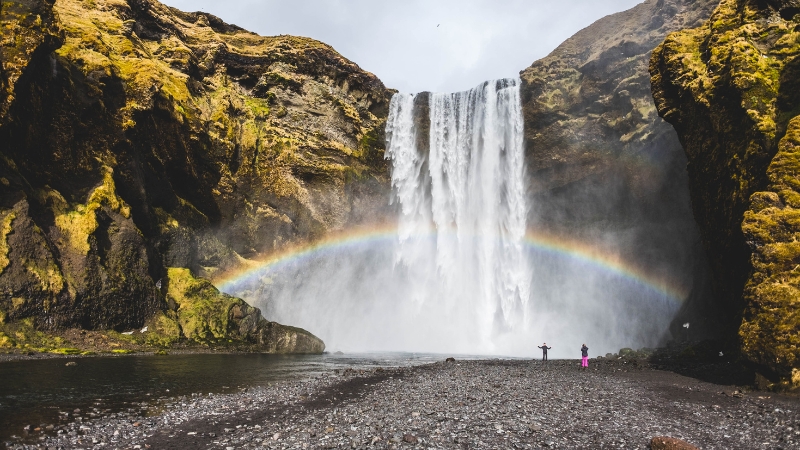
(585, 361)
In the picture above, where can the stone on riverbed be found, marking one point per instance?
(668, 443)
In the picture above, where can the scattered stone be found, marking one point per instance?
(71, 364)
(410, 438)
(451, 359)
(668, 443)
(475, 404)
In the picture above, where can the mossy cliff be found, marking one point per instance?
(135, 137)
(731, 89)
(603, 165)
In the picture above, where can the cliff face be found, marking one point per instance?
(731, 89)
(603, 165)
(135, 138)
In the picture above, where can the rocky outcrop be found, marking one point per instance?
(603, 166)
(197, 311)
(730, 88)
(135, 137)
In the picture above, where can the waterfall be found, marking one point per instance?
(458, 176)
(457, 275)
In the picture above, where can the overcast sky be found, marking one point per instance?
(422, 45)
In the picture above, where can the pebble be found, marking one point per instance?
(472, 404)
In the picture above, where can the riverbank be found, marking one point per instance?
(30, 343)
(188, 350)
(477, 404)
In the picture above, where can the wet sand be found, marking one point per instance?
(461, 404)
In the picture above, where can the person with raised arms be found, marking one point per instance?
(544, 348)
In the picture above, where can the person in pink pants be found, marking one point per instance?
(585, 356)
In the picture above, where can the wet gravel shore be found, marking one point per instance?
(461, 404)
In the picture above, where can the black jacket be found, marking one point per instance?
(585, 351)
(545, 348)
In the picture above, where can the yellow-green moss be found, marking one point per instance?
(203, 312)
(66, 351)
(6, 341)
(5, 228)
(78, 224)
(23, 335)
(122, 351)
(95, 43)
(770, 331)
(49, 276)
(162, 330)
(730, 70)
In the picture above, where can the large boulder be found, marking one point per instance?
(199, 312)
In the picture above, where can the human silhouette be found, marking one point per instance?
(585, 357)
(544, 348)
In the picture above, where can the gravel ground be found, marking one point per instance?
(461, 404)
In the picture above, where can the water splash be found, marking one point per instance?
(456, 273)
(467, 183)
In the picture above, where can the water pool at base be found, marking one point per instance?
(42, 392)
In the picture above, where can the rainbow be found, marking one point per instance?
(583, 252)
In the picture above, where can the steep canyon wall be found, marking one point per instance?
(604, 167)
(730, 88)
(137, 138)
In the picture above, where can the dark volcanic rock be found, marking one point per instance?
(603, 166)
(471, 404)
(135, 137)
(730, 88)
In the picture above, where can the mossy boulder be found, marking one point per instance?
(730, 88)
(205, 315)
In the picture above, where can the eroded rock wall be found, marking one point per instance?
(730, 88)
(135, 137)
(603, 166)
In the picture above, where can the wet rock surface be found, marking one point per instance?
(459, 404)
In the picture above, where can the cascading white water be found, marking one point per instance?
(462, 206)
(458, 276)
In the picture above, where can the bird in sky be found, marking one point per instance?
(437, 25)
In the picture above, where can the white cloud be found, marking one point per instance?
(401, 43)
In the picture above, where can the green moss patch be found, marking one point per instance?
(203, 312)
(6, 219)
(720, 85)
